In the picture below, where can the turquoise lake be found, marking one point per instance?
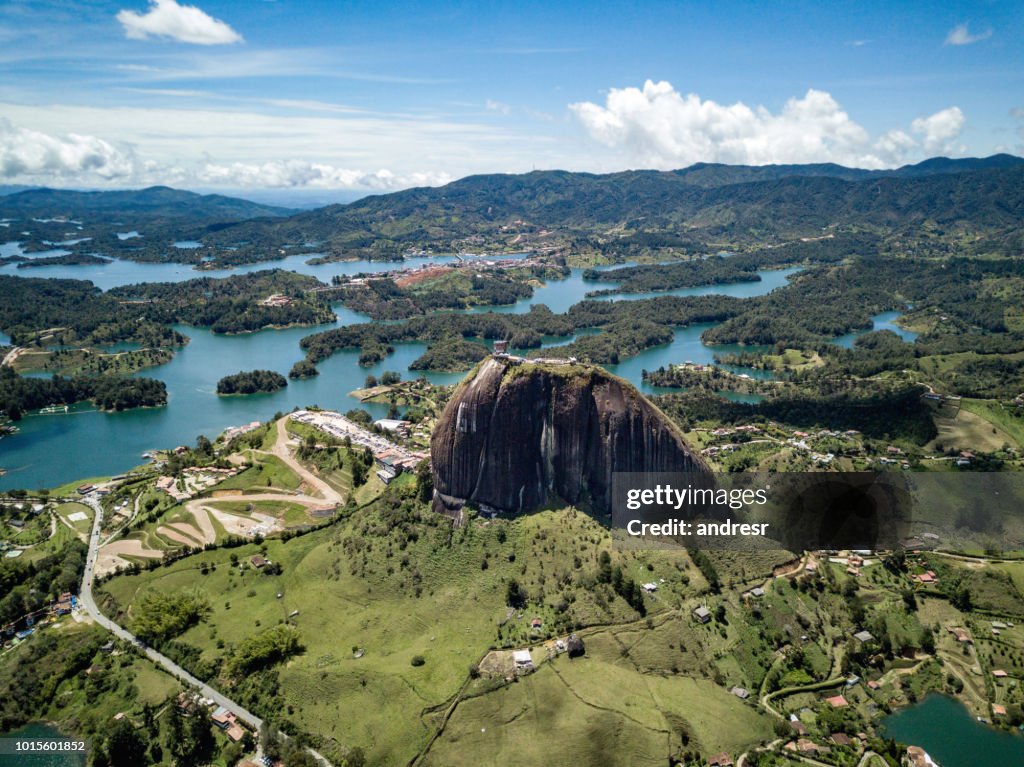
(57, 448)
(40, 731)
(951, 736)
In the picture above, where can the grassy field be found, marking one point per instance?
(1007, 419)
(91, 361)
(290, 514)
(969, 431)
(393, 583)
(395, 586)
(66, 510)
(582, 711)
(267, 471)
(50, 546)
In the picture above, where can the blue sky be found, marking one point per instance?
(382, 95)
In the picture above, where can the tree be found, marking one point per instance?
(99, 757)
(270, 740)
(359, 473)
(125, 747)
(370, 382)
(515, 596)
(424, 481)
(189, 739)
(604, 567)
(909, 601)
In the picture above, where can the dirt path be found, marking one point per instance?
(204, 511)
(109, 557)
(280, 449)
(12, 355)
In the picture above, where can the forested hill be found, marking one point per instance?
(717, 174)
(156, 202)
(707, 201)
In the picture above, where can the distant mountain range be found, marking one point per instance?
(702, 201)
(981, 197)
(156, 202)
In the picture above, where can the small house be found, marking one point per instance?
(864, 636)
(999, 673)
(837, 701)
(962, 635)
(258, 562)
(702, 614)
(720, 760)
(223, 718)
(523, 660)
(740, 692)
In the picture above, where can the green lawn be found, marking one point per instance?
(1009, 419)
(290, 514)
(267, 471)
(367, 583)
(65, 510)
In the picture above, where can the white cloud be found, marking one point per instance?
(939, 130)
(295, 174)
(28, 154)
(204, 148)
(960, 35)
(184, 23)
(661, 127)
(497, 106)
(894, 146)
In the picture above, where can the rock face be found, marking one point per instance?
(518, 435)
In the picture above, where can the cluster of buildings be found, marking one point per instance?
(196, 479)
(191, 704)
(277, 299)
(236, 431)
(391, 459)
(478, 263)
(22, 628)
(501, 353)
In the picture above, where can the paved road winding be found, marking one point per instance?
(86, 598)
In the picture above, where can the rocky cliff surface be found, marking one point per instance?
(517, 435)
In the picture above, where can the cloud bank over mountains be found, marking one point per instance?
(32, 154)
(660, 127)
(28, 154)
(655, 126)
